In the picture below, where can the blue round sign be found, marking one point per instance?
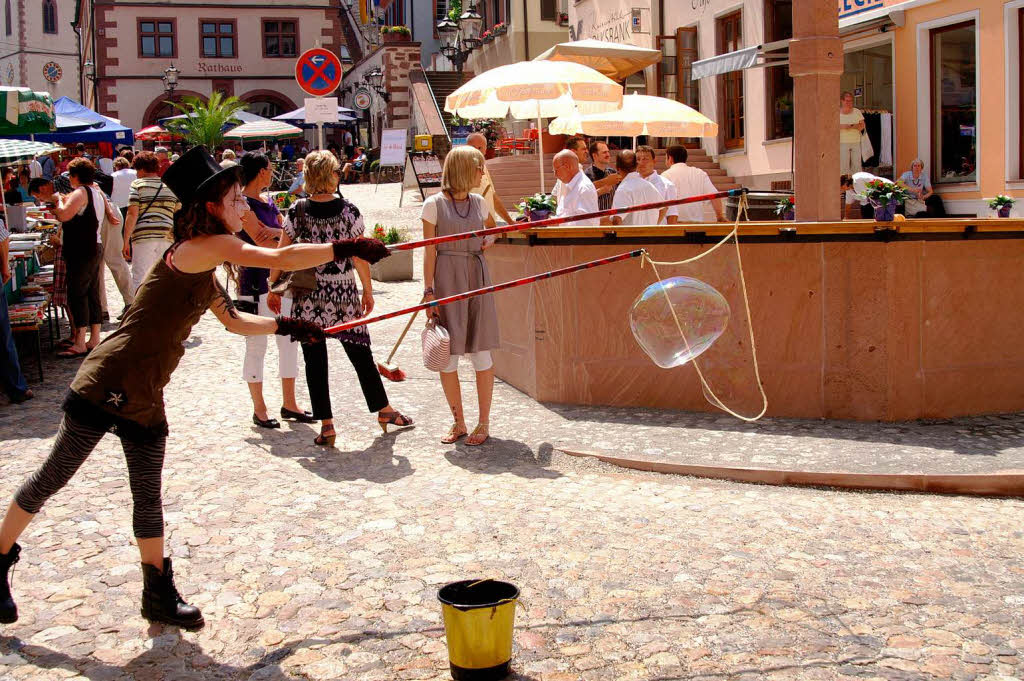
(318, 71)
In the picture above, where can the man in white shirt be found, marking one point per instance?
(645, 166)
(690, 181)
(855, 186)
(105, 164)
(574, 191)
(633, 190)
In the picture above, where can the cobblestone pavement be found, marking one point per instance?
(312, 563)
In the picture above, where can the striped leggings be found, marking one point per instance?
(75, 442)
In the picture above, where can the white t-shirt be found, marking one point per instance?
(34, 169)
(122, 186)
(850, 135)
(667, 191)
(632, 191)
(860, 183)
(429, 212)
(576, 198)
(99, 205)
(690, 181)
(106, 165)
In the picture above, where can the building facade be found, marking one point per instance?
(911, 65)
(238, 48)
(40, 47)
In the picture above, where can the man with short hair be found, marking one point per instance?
(574, 192)
(486, 187)
(690, 181)
(645, 166)
(602, 174)
(578, 146)
(48, 164)
(633, 190)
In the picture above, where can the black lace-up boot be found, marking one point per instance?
(8, 609)
(161, 601)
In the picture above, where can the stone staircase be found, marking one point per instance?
(443, 83)
(517, 176)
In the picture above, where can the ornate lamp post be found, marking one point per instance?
(170, 79)
(459, 39)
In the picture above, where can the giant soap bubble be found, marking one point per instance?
(701, 313)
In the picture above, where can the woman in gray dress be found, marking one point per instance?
(457, 267)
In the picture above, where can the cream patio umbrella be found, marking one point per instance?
(535, 89)
(640, 115)
(618, 61)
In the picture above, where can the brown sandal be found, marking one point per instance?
(394, 418)
(454, 434)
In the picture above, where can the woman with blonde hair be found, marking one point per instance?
(457, 267)
(324, 217)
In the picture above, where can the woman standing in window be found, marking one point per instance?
(851, 125)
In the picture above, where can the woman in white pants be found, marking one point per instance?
(149, 222)
(262, 227)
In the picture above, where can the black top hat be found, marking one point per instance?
(191, 174)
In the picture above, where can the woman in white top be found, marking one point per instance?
(851, 125)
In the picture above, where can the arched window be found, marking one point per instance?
(49, 16)
(7, 16)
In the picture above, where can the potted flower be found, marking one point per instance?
(563, 18)
(487, 37)
(885, 197)
(1002, 205)
(785, 208)
(395, 34)
(500, 29)
(397, 266)
(283, 200)
(538, 206)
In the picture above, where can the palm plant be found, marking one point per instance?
(206, 121)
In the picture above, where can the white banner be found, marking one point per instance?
(321, 110)
(614, 21)
(392, 146)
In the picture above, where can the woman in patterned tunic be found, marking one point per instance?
(322, 218)
(120, 384)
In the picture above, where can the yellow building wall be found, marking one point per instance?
(991, 77)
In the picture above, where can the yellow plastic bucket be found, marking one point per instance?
(423, 143)
(478, 618)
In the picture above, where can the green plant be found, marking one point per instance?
(374, 165)
(206, 121)
(882, 192)
(455, 10)
(1000, 201)
(389, 235)
(784, 205)
(399, 30)
(537, 202)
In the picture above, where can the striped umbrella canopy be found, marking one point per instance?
(16, 151)
(263, 130)
(155, 133)
(24, 112)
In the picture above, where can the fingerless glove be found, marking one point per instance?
(300, 330)
(370, 250)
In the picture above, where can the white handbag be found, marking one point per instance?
(436, 346)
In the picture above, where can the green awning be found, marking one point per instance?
(24, 112)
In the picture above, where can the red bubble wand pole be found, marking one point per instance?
(487, 289)
(548, 222)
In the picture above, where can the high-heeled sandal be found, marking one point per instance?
(393, 418)
(323, 440)
(454, 434)
(481, 429)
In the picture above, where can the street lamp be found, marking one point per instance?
(170, 79)
(459, 39)
(374, 78)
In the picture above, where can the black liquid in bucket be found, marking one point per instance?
(478, 617)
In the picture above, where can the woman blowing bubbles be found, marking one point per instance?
(120, 384)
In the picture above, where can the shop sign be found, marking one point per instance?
(849, 8)
(615, 21)
(362, 99)
(205, 67)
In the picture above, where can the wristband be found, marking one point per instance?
(429, 291)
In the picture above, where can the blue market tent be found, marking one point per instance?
(74, 115)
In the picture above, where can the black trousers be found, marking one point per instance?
(315, 356)
(84, 290)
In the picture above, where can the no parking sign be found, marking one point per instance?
(318, 71)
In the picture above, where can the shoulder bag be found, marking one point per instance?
(299, 283)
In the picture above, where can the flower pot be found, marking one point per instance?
(789, 214)
(542, 214)
(396, 267)
(884, 212)
(1004, 211)
(395, 38)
